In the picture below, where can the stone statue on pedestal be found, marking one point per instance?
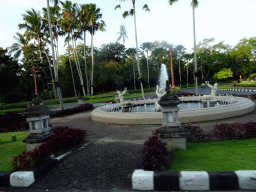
(159, 93)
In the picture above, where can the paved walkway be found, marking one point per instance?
(108, 163)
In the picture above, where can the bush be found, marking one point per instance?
(154, 154)
(64, 138)
(74, 110)
(13, 122)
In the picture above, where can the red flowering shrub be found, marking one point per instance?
(193, 133)
(13, 122)
(64, 137)
(154, 154)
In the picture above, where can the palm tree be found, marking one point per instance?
(68, 23)
(194, 5)
(132, 52)
(18, 47)
(34, 26)
(180, 49)
(132, 13)
(146, 47)
(122, 33)
(84, 26)
(93, 15)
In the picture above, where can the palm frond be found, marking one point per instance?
(126, 13)
(132, 12)
(118, 6)
(146, 8)
(195, 3)
(119, 38)
(172, 1)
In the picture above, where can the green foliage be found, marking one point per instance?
(223, 74)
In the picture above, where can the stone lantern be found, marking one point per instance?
(38, 118)
(171, 132)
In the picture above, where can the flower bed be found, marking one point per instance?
(64, 138)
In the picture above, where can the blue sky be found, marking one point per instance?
(225, 20)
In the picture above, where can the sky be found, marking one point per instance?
(225, 20)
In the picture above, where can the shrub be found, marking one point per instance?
(193, 134)
(71, 111)
(13, 122)
(154, 154)
(64, 138)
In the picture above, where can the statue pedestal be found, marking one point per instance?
(80, 101)
(39, 131)
(171, 132)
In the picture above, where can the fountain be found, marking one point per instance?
(192, 109)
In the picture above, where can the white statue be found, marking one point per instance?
(159, 93)
(121, 97)
(213, 91)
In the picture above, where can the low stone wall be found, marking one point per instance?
(240, 107)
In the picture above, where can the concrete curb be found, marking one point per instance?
(193, 180)
(27, 178)
(241, 90)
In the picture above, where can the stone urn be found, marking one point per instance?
(171, 132)
(38, 116)
(80, 100)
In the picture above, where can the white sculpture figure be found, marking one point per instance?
(159, 93)
(121, 97)
(213, 91)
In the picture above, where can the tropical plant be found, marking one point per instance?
(131, 52)
(93, 15)
(84, 26)
(34, 26)
(132, 13)
(122, 34)
(18, 47)
(194, 4)
(146, 47)
(68, 23)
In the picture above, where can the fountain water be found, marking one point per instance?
(163, 77)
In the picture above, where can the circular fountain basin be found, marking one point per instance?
(240, 107)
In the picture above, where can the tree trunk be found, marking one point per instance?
(54, 90)
(195, 47)
(148, 71)
(74, 86)
(78, 69)
(134, 75)
(137, 54)
(85, 65)
(92, 61)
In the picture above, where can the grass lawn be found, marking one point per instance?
(229, 155)
(10, 149)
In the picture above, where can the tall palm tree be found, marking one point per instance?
(122, 33)
(34, 26)
(132, 13)
(132, 53)
(18, 47)
(194, 4)
(68, 23)
(146, 47)
(93, 15)
(84, 26)
(180, 49)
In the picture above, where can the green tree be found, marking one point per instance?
(132, 13)
(223, 74)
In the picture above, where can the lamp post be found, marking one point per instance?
(173, 85)
(34, 73)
